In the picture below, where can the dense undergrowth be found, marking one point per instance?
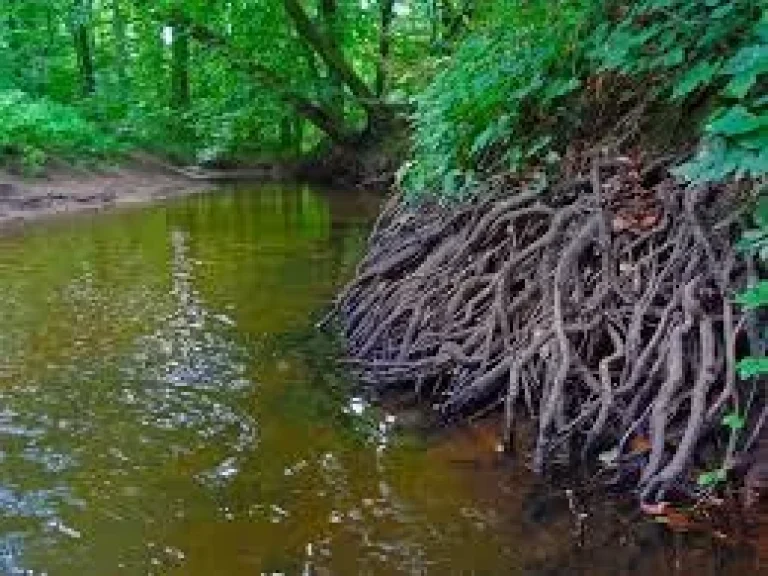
(540, 75)
(35, 129)
(582, 232)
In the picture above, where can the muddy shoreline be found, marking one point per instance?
(69, 191)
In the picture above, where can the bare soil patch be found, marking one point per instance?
(70, 190)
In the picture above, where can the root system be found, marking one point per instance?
(603, 307)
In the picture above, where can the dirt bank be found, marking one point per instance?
(66, 190)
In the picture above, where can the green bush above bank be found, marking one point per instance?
(33, 129)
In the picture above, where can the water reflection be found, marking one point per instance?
(165, 408)
(127, 396)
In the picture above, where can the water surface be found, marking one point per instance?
(167, 408)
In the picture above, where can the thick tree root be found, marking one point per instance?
(616, 339)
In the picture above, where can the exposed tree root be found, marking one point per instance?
(617, 338)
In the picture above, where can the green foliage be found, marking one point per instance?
(506, 100)
(712, 54)
(734, 421)
(217, 79)
(712, 479)
(755, 241)
(498, 102)
(755, 296)
(751, 367)
(33, 128)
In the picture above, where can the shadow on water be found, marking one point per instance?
(166, 408)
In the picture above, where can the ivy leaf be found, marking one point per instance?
(733, 421)
(674, 58)
(722, 11)
(737, 120)
(750, 58)
(755, 296)
(752, 366)
(752, 240)
(740, 85)
(709, 479)
(484, 139)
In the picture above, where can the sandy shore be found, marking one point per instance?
(70, 191)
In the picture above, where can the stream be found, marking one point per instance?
(166, 407)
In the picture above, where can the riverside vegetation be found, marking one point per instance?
(580, 235)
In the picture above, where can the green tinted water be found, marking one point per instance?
(165, 407)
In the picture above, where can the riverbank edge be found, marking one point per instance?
(66, 191)
(141, 178)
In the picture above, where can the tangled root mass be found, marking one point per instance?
(604, 331)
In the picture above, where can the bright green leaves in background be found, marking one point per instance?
(219, 80)
(34, 128)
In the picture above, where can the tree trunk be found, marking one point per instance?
(321, 117)
(81, 20)
(330, 54)
(385, 30)
(329, 14)
(13, 43)
(180, 93)
(84, 59)
(121, 48)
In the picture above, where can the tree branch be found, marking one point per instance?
(322, 118)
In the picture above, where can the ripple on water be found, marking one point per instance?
(165, 408)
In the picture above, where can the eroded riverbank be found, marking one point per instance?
(167, 407)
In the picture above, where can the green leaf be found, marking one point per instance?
(761, 213)
(749, 58)
(733, 421)
(674, 58)
(722, 11)
(755, 296)
(736, 120)
(701, 74)
(752, 366)
(709, 479)
(740, 85)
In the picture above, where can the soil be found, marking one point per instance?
(70, 190)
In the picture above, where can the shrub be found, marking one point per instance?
(500, 100)
(31, 129)
(509, 97)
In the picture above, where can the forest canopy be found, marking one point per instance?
(218, 78)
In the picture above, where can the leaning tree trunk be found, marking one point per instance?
(83, 52)
(385, 30)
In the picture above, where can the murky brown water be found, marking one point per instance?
(166, 408)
